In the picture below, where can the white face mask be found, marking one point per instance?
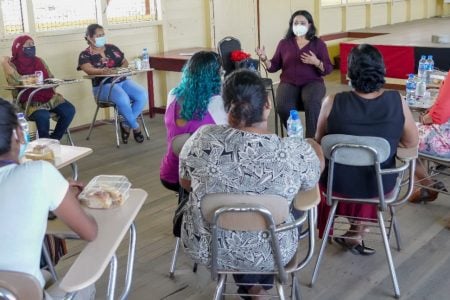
(299, 30)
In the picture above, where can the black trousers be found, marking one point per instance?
(307, 98)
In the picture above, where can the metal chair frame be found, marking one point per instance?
(281, 272)
(383, 202)
(108, 103)
(437, 167)
(177, 145)
(228, 66)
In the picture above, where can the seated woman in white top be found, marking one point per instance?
(28, 192)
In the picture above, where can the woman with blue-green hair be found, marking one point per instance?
(196, 101)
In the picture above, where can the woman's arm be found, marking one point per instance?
(11, 74)
(89, 69)
(71, 213)
(316, 147)
(124, 63)
(440, 111)
(410, 137)
(326, 67)
(325, 111)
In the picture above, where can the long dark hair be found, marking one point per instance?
(244, 97)
(311, 34)
(366, 68)
(8, 122)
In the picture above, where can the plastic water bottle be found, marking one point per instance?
(430, 68)
(411, 89)
(294, 125)
(25, 127)
(421, 88)
(145, 59)
(421, 73)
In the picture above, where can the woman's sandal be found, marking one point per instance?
(425, 195)
(357, 249)
(124, 133)
(138, 136)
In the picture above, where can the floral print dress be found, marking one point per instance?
(221, 159)
(434, 139)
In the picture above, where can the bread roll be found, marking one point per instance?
(102, 196)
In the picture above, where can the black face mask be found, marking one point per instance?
(29, 51)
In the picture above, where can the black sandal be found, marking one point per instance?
(361, 249)
(138, 136)
(124, 132)
(357, 249)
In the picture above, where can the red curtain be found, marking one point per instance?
(399, 60)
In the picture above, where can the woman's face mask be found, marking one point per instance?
(23, 147)
(100, 41)
(29, 51)
(299, 30)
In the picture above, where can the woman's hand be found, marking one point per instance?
(107, 71)
(426, 119)
(261, 52)
(310, 59)
(75, 186)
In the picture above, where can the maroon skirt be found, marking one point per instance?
(357, 210)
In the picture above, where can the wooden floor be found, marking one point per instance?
(417, 33)
(422, 265)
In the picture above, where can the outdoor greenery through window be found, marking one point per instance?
(56, 15)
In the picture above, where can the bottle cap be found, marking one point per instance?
(20, 115)
(430, 56)
(294, 114)
(423, 56)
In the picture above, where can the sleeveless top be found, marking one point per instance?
(381, 117)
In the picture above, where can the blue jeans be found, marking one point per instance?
(65, 112)
(129, 97)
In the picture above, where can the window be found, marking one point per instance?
(13, 19)
(63, 14)
(57, 15)
(129, 11)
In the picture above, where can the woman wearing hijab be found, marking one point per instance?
(46, 101)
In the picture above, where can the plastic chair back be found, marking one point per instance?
(355, 150)
(243, 221)
(19, 286)
(225, 47)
